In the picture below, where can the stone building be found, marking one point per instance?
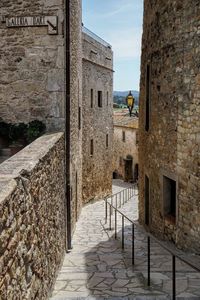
(35, 70)
(32, 62)
(97, 116)
(41, 79)
(169, 139)
(41, 187)
(125, 147)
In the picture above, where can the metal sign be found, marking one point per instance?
(36, 21)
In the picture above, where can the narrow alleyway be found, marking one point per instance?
(97, 268)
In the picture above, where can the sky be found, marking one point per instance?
(119, 22)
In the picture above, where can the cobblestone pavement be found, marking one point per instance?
(97, 268)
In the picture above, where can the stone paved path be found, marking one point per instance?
(97, 268)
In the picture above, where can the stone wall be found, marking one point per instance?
(97, 121)
(32, 65)
(76, 109)
(32, 227)
(125, 148)
(171, 145)
(32, 81)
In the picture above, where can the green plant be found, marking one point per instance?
(35, 129)
(17, 132)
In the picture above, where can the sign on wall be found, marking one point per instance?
(36, 21)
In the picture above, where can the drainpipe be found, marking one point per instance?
(67, 126)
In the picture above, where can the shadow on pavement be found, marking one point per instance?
(115, 277)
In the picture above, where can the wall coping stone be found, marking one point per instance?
(24, 162)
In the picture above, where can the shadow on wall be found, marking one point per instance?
(111, 274)
(121, 183)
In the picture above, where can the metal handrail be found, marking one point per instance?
(125, 194)
(149, 237)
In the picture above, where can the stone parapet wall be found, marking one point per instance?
(32, 222)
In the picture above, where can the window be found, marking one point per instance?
(91, 147)
(79, 117)
(107, 98)
(123, 136)
(169, 197)
(146, 200)
(99, 98)
(106, 140)
(148, 98)
(91, 98)
(137, 138)
(76, 196)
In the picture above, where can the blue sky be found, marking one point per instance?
(119, 22)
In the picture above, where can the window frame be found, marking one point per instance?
(169, 212)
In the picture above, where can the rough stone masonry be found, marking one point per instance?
(97, 117)
(32, 81)
(169, 141)
(32, 229)
(32, 62)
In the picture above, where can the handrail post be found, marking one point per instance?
(122, 232)
(120, 202)
(106, 210)
(115, 224)
(133, 244)
(110, 228)
(111, 204)
(123, 197)
(116, 200)
(174, 277)
(149, 259)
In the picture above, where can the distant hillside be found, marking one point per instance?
(125, 93)
(119, 97)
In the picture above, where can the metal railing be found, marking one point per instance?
(122, 197)
(149, 238)
(96, 37)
